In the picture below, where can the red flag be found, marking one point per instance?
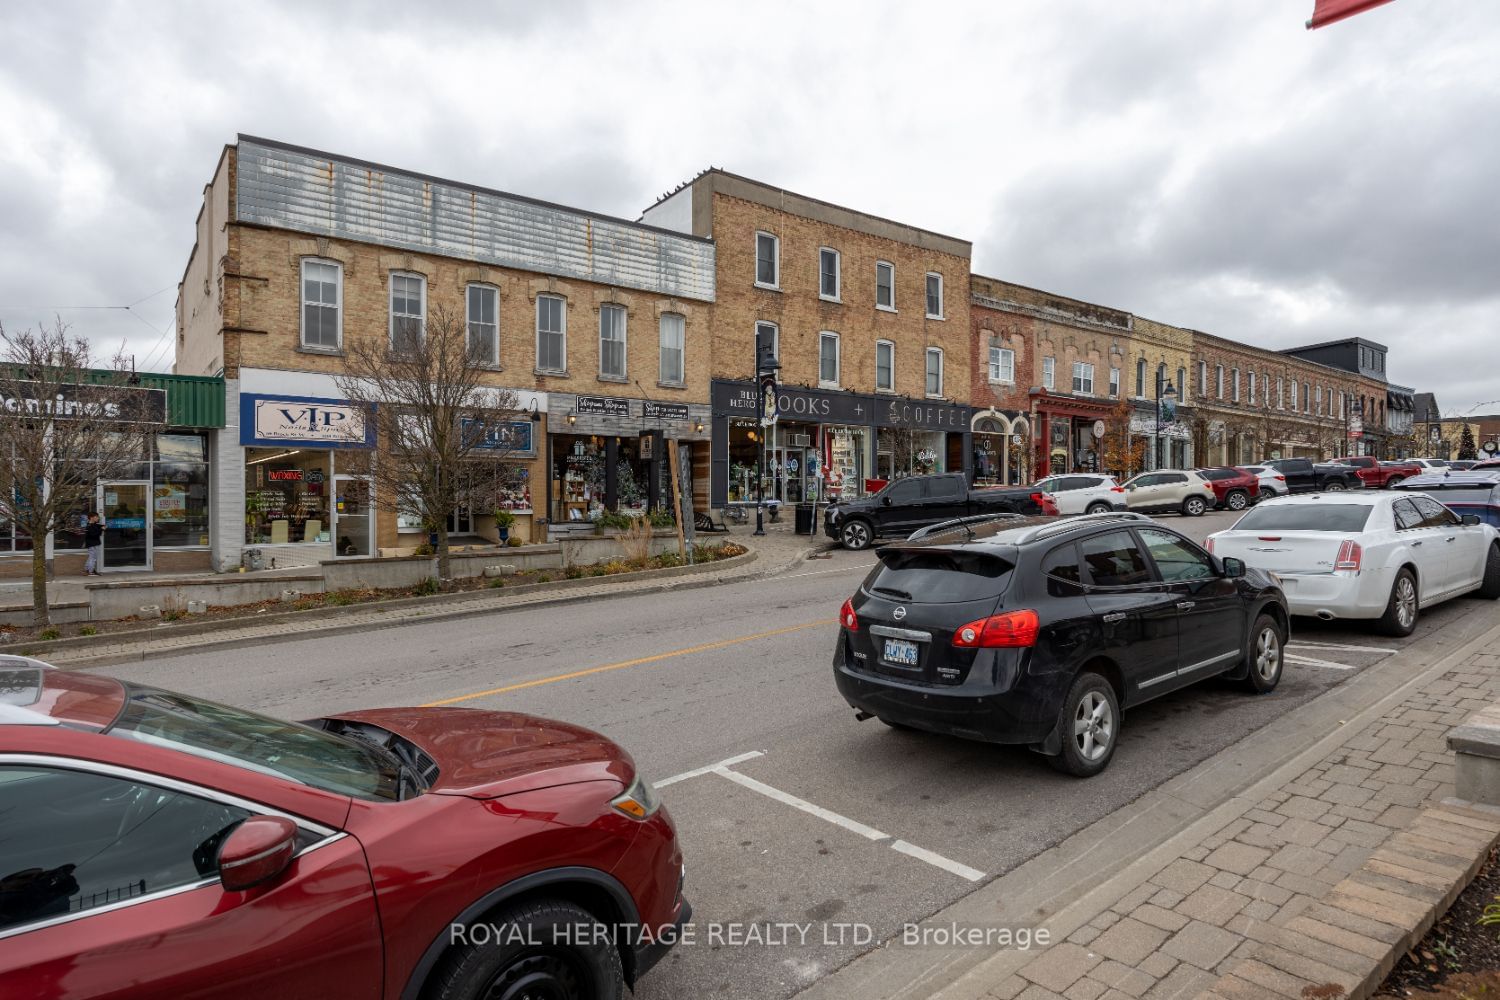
(1328, 11)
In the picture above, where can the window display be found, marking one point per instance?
(286, 496)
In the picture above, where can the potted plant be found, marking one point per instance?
(504, 521)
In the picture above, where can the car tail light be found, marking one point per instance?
(1117, 489)
(1209, 544)
(1349, 556)
(847, 617)
(1282, 478)
(1045, 501)
(1011, 630)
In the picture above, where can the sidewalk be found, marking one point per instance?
(1311, 886)
(776, 551)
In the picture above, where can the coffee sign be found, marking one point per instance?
(303, 420)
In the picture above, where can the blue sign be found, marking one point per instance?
(275, 421)
(511, 436)
(139, 523)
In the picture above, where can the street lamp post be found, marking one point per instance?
(765, 364)
(1169, 394)
(1354, 408)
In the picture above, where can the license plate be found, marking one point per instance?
(901, 652)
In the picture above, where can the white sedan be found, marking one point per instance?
(1369, 554)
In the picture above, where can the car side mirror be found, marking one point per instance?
(1470, 519)
(256, 851)
(886, 501)
(1233, 568)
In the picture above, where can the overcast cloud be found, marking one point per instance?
(1212, 165)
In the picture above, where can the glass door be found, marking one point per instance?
(125, 508)
(353, 516)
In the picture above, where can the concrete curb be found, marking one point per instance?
(487, 599)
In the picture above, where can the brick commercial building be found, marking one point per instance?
(600, 327)
(868, 319)
(1362, 363)
(1162, 397)
(1001, 376)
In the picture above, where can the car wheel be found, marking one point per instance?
(1490, 588)
(1237, 500)
(1098, 508)
(856, 535)
(1393, 481)
(1267, 644)
(1402, 609)
(1333, 486)
(520, 959)
(1088, 725)
(1194, 506)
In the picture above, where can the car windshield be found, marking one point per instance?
(1306, 517)
(257, 743)
(938, 576)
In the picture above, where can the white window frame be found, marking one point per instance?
(1114, 381)
(1182, 393)
(838, 275)
(1049, 372)
(823, 337)
(390, 300)
(927, 295)
(927, 372)
(537, 322)
(775, 260)
(662, 349)
(470, 322)
(1250, 388)
(1281, 393)
(607, 308)
(1002, 365)
(889, 345)
(1083, 374)
(892, 268)
(775, 338)
(338, 292)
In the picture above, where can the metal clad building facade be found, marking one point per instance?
(310, 192)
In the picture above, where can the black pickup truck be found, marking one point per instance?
(918, 501)
(1303, 475)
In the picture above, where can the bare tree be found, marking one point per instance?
(64, 426)
(441, 436)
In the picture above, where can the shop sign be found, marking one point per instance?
(665, 411)
(609, 406)
(510, 436)
(284, 475)
(118, 403)
(740, 399)
(305, 420)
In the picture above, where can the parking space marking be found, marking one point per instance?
(862, 567)
(947, 864)
(1337, 645)
(786, 798)
(1308, 661)
(697, 771)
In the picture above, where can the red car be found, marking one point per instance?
(1234, 489)
(1378, 475)
(155, 845)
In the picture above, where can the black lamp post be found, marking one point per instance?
(1354, 408)
(1168, 393)
(765, 364)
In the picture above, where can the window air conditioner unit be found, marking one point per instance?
(801, 440)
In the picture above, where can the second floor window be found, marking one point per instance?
(1219, 380)
(885, 285)
(1049, 372)
(767, 260)
(1236, 385)
(1083, 378)
(828, 274)
(1002, 364)
(1140, 378)
(484, 324)
(673, 348)
(934, 296)
(321, 281)
(551, 334)
(1203, 378)
(767, 342)
(612, 341)
(408, 311)
(934, 371)
(1114, 381)
(828, 358)
(885, 366)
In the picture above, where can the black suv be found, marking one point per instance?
(1037, 632)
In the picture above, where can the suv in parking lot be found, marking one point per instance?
(1037, 632)
(1234, 489)
(1164, 490)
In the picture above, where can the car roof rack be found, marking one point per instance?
(1082, 520)
(961, 522)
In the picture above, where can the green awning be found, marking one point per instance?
(192, 400)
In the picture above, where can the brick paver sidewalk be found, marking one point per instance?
(1251, 902)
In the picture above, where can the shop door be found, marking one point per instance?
(353, 518)
(125, 507)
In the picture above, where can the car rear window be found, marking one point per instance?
(938, 576)
(1457, 493)
(1306, 517)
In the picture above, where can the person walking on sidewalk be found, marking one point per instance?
(93, 540)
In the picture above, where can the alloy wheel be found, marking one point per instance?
(1093, 726)
(1268, 654)
(1335, 487)
(1236, 501)
(1406, 602)
(856, 535)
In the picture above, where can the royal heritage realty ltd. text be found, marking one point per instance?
(761, 934)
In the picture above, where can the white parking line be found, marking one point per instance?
(697, 771)
(1308, 661)
(786, 798)
(947, 864)
(862, 567)
(1335, 645)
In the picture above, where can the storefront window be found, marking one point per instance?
(902, 452)
(744, 456)
(577, 477)
(988, 449)
(179, 487)
(847, 451)
(286, 496)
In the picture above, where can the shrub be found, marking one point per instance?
(661, 517)
(597, 570)
(515, 542)
(342, 598)
(617, 566)
(173, 616)
(636, 541)
(573, 572)
(50, 633)
(613, 520)
(88, 630)
(497, 582)
(427, 587)
(669, 559)
(544, 578)
(422, 550)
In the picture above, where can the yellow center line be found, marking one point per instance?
(655, 658)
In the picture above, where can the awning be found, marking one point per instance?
(1328, 11)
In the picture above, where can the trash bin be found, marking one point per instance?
(805, 518)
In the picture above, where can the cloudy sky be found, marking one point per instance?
(1209, 164)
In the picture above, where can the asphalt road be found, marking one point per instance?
(819, 818)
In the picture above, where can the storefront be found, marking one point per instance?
(827, 445)
(610, 453)
(1168, 444)
(1066, 433)
(1000, 448)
